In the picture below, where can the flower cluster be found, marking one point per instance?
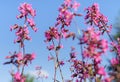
(94, 45)
(82, 70)
(78, 71)
(65, 14)
(56, 33)
(21, 59)
(18, 77)
(26, 9)
(94, 17)
(22, 32)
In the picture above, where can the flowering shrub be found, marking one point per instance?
(93, 45)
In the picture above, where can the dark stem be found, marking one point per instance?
(59, 66)
(117, 56)
(23, 60)
(81, 48)
(23, 69)
(55, 70)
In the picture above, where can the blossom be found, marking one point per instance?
(26, 9)
(73, 55)
(107, 80)
(52, 33)
(61, 63)
(94, 45)
(31, 22)
(22, 33)
(65, 14)
(101, 71)
(104, 45)
(96, 18)
(15, 26)
(97, 59)
(50, 58)
(51, 47)
(114, 61)
(17, 76)
(67, 2)
(33, 56)
(19, 56)
(75, 5)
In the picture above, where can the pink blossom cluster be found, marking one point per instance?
(56, 33)
(22, 32)
(94, 45)
(64, 19)
(65, 14)
(26, 9)
(78, 71)
(96, 18)
(21, 59)
(116, 48)
(82, 70)
(18, 77)
(18, 59)
(52, 33)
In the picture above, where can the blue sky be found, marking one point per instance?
(46, 16)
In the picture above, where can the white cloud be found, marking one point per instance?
(40, 74)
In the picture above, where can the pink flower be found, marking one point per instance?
(35, 29)
(51, 47)
(73, 55)
(68, 17)
(19, 56)
(76, 5)
(97, 59)
(29, 57)
(14, 27)
(31, 22)
(17, 76)
(64, 32)
(33, 56)
(86, 53)
(96, 18)
(104, 45)
(101, 71)
(8, 57)
(107, 80)
(52, 33)
(61, 63)
(114, 61)
(26, 9)
(50, 58)
(67, 2)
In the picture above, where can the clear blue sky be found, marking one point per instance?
(46, 16)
